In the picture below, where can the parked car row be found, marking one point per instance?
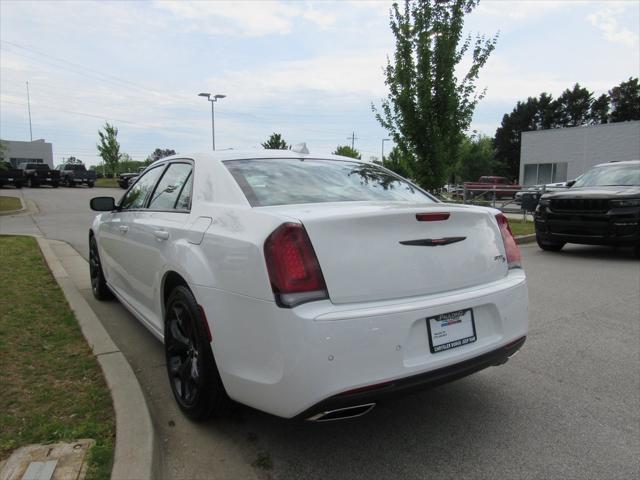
(40, 174)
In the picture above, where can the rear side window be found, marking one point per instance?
(170, 186)
(137, 195)
(268, 182)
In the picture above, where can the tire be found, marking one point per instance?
(90, 184)
(55, 184)
(70, 183)
(193, 374)
(33, 183)
(636, 251)
(98, 284)
(18, 185)
(549, 246)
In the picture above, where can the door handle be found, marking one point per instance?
(124, 228)
(161, 234)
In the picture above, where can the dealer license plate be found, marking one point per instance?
(451, 330)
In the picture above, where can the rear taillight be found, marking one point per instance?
(293, 267)
(510, 245)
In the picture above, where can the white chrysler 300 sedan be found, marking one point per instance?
(306, 286)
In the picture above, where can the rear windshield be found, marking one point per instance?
(277, 181)
(610, 175)
(75, 168)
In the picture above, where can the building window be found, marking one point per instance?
(543, 173)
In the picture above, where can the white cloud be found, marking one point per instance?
(246, 18)
(605, 20)
(521, 10)
(338, 75)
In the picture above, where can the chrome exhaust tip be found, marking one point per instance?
(342, 413)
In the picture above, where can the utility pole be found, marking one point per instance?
(29, 108)
(353, 139)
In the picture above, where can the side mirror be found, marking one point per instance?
(103, 204)
(570, 183)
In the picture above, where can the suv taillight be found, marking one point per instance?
(293, 267)
(510, 245)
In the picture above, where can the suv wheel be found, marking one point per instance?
(192, 370)
(98, 284)
(549, 246)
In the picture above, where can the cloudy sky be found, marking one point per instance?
(309, 70)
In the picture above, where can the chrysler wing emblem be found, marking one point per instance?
(432, 242)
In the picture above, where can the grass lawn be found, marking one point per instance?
(107, 182)
(518, 227)
(52, 386)
(9, 203)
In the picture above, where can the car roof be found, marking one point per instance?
(625, 162)
(253, 154)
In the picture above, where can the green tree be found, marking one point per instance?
(476, 159)
(600, 110)
(109, 148)
(159, 153)
(523, 118)
(275, 142)
(429, 106)
(625, 101)
(3, 149)
(574, 106)
(347, 151)
(401, 164)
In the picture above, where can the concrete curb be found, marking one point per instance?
(136, 453)
(13, 212)
(526, 239)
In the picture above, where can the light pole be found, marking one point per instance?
(29, 108)
(382, 152)
(213, 99)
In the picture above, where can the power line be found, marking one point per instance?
(84, 68)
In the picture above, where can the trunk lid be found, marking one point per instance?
(361, 257)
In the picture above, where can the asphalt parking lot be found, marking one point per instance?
(567, 406)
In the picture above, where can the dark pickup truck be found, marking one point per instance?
(126, 179)
(10, 175)
(36, 174)
(72, 174)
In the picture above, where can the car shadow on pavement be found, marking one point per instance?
(595, 252)
(408, 437)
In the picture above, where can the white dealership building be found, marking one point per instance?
(37, 151)
(561, 154)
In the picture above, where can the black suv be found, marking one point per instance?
(602, 207)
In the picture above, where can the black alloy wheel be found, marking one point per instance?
(98, 284)
(192, 370)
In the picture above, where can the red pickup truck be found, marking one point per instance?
(498, 186)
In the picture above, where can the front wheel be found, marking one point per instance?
(90, 184)
(98, 283)
(549, 246)
(193, 374)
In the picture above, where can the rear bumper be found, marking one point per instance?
(415, 383)
(288, 362)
